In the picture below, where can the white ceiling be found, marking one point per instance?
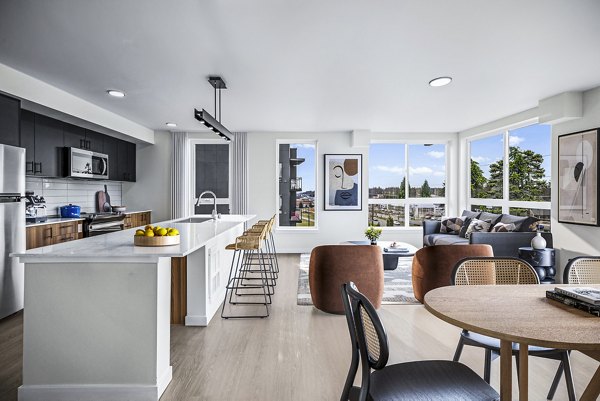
(311, 65)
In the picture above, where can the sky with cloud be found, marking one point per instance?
(387, 164)
(533, 137)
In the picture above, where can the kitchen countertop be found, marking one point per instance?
(119, 245)
(54, 220)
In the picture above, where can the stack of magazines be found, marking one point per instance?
(585, 298)
(395, 249)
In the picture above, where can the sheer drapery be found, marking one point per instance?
(181, 193)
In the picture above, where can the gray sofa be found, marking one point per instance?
(503, 243)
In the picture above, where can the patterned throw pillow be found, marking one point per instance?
(504, 228)
(477, 225)
(451, 225)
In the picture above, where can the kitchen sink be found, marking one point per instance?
(193, 220)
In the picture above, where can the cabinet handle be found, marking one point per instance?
(81, 146)
(89, 144)
(49, 229)
(35, 170)
(27, 169)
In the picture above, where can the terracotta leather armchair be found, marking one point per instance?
(432, 266)
(333, 265)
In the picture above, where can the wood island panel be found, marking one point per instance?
(178, 290)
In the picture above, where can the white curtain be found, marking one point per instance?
(181, 195)
(239, 168)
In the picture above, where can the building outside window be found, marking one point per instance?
(297, 185)
(407, 184)
(510, 172)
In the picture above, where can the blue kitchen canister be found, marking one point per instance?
(70, 211)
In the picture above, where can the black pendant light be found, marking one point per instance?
(205, 118)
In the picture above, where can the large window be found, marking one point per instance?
(510, 172)
(297, 184)
(407, 184)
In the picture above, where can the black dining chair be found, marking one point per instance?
(418, 380)
(506, 271)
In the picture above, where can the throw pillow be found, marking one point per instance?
(477, 225)
(451, 225)
(492, 217)
(529, 224)
(463, 230)
(470, 214)
(504, 228)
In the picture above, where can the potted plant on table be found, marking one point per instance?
(372, 234)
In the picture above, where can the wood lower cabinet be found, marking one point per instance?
(53, 233)
(137, 219)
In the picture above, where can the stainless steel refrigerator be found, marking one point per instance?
(12, 228)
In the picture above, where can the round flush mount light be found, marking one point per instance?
(172, 125)
(115, 93)
(440, 81)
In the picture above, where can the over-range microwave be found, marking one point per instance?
(86, 164)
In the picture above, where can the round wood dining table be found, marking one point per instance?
(520, 314)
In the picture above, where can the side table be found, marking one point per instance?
(542, 261)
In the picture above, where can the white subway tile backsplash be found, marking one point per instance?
(59, 192)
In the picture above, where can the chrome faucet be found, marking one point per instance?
(214, 213)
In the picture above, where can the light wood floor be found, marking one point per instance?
(298, 353)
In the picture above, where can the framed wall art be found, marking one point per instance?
(578, 171)
(343, 182)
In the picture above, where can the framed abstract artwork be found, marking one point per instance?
(343, 182)
(578, 171)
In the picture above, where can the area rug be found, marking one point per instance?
(397, 286)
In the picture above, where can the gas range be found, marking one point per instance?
(102, 223)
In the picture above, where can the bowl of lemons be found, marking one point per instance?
(156, 236)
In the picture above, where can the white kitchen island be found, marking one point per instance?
(96, 319)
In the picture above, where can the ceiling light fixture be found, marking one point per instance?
(205, 118)
(172, 125)
(440, 81)
(115, 93)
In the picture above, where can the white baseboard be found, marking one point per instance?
(95, 392)
(196, 320)
(88, 393)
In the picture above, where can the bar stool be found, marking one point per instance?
(248, 259)
(271, 252)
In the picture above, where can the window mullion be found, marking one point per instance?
(505, 173)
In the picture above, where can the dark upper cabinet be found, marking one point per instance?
(48, 147)
(131, 159)
(111, 148)
(9, 120)
(44, 139)
(126, 158)
(28, 139)
(94, 141)
(74, 136)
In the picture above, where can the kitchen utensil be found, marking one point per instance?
(118, 209)
(107, 207)
(101, 199)
(107, 195)
(70, 211)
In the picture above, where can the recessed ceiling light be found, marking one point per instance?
(115, 93)
(440, 81)
(171, 125)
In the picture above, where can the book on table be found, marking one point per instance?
(395, 250)
(585, 294)
(567, 300)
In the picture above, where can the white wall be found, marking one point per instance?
(152, 190)
(333, 226)
(570, 239)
